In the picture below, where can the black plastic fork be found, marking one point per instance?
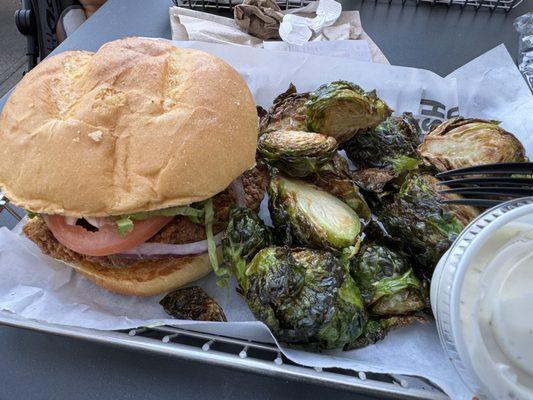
(489, 184)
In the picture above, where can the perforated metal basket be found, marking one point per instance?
(249, 356)
(492, 5)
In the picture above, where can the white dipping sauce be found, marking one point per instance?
(496, 312)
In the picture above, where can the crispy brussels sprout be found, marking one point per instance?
(244, 236)
(385, 154)
(305, 296)
(460, 142)
(334, 177)
(288, 111)
(391, 145)
(296, 153)
(387, 282)
(192, 303)
(311, 216)
(340, 109)
(427, 227)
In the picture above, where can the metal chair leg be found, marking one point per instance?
(25, 22)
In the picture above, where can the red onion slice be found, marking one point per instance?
(151, 249)
(71, 220)
(98, 222)
(237, 189)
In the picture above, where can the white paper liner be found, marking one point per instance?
(37, 287)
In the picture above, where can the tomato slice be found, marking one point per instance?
(106, 240)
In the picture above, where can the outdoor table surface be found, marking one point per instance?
(41, 366)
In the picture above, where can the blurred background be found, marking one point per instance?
(13, 61)
(58, 19)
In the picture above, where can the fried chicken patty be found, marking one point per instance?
(180, 230)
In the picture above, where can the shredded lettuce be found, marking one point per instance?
(205, 215)
(31, 214)
(124, 225)
(125, 222)
(187, 211)
(222, 273)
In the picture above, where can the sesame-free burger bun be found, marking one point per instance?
(139, 125)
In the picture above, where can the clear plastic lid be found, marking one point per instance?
(482, 299)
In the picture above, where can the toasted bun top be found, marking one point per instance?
(139, 125)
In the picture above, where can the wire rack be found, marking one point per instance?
(249, 356)
(9, 214)
(492, 5)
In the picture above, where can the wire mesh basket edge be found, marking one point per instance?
(492, 5)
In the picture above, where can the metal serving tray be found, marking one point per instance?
(249, 356)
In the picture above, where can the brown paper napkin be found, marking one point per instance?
(260, 18)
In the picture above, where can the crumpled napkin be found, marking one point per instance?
(187, 24)
(297, 29)
(260, 18)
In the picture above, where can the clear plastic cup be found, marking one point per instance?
(524, 27)
(482, 299)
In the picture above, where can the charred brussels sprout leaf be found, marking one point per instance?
(312, 216)
(305, 296)
(287, 112)
(459, 143)
(244, 236)
(374, 263)
(387, 281)
(399, 295)
(427, 227)
(296, 153)
(391, 145)
(334, 177)
(420, 185)
(374, 180)
(373, 332)
(192, 303)
(376, 329)
(340, 109)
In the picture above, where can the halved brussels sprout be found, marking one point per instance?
(334, 177)
(460, 142)
(296, 153)
(387, 282)
(305, 296)
(288, 111)
(391, 145)
(244, 236)
(312, 216)
(340, 109)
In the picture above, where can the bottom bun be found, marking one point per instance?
(146, 277)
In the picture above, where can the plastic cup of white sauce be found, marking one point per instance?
(482, 299)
